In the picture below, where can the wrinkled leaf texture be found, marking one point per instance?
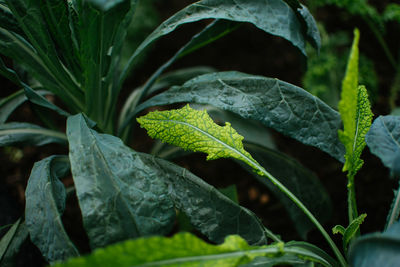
(103, 166)
(355, 111)
(277, 104)
(195, 130)
(119, 196)
(45, 204)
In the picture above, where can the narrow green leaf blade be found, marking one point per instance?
(119, 197)
(355, 111)
(352, 229)
(194, 130)
(276, 104)
(7, 238)
(11, 244)
(19, 133)
(45, 204)
(383, 139)
(183, 250)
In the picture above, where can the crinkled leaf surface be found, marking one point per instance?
(120, 197)
(278, 105)
(195, 130)
(377, 249)
(383, 139)
(184, 250)
(45, 204)
(300, 181)
(212, 213)
(152, 185)
(355, 111)
(20, 133)
(272, 16)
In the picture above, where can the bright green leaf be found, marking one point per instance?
(45, 204)
(195, 130)
(355, 111)
(187, 250)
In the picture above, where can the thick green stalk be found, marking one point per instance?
(351, 198)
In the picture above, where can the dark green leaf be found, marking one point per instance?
(265, 14)
(210, 33)
(38, 99)
(19, 133)
(120, 197)
(7, 20)
(277, 104)
(10, 103)
(7, 238)
(377, 249)
(200, 201)
(31, 20)
(45, 204)
(56, 14)
(11, 243)
(160, 182)
(187, 250)
(212, 213)
(383, 139)
(98, 31)
(300, 181)
(8, 73)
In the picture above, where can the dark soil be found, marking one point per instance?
(251, 51)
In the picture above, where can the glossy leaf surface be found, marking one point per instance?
(119, 196)
(45, 204)
(278, 105)
(186, 250)
(19, 133)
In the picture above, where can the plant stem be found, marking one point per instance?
(351, 198)
(305, 210)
